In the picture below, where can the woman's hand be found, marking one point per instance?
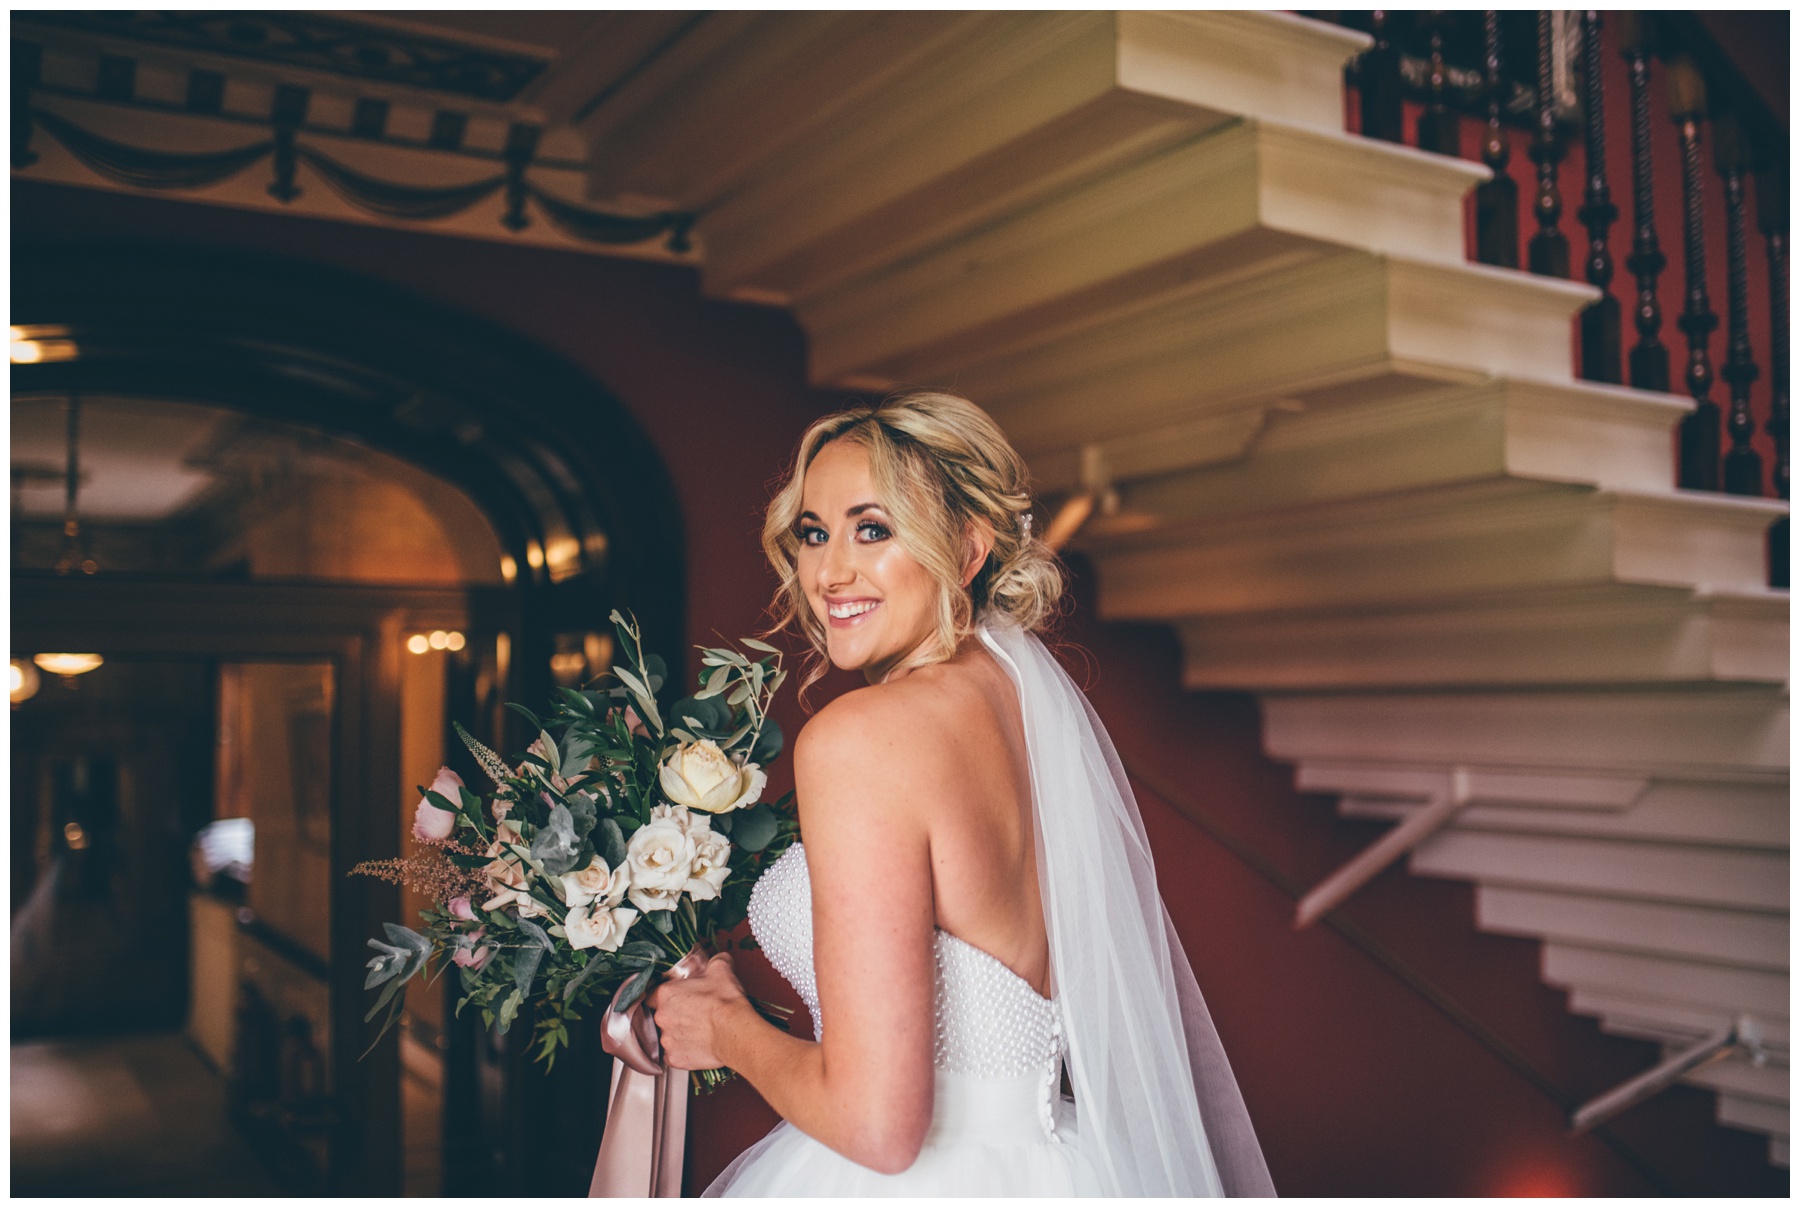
(693, 1015)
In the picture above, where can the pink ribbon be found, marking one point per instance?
(646, 1121)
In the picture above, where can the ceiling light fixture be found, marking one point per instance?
(67, 665)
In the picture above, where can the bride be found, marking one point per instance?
(973, 918)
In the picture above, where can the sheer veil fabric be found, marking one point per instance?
(1158, 1108)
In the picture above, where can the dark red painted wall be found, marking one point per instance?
(1358, 1085)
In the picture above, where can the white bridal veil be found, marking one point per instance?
(1158, 1110)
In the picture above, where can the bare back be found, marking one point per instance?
(962, 722)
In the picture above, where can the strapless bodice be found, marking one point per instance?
(990, 1025)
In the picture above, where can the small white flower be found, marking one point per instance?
(702, 777)
(595, 927)
(710, 868)
(596, 883)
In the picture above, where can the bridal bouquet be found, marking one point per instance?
(623, 840)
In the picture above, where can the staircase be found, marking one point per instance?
(1353, 470)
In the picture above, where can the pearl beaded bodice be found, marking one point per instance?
(990, 1023)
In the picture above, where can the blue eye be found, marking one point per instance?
(872, 532)
(812, 535)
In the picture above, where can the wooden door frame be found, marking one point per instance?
(361, 630)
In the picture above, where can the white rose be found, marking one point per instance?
(711, 853)
(596, 883)
(659, 856)
(702, 777)
(655, 899)
(593, 927)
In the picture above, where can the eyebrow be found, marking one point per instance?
(858, 510)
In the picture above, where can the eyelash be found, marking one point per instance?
(878, 532)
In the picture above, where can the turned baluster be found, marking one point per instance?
(1440, 127)
(287, 115)
(1699, 468)
(1378, 83)
(1743, 466)
(1599, 322)
(1649, 357)
(27, 66)
(1549, 251)
(1496, 200)
(1772, 220)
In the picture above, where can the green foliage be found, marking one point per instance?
(590, 780)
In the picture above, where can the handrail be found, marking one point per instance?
(1399, 969)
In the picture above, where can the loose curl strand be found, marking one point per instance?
(944, 472)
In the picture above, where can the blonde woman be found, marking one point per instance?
(973, 911)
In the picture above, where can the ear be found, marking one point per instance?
(978, 543)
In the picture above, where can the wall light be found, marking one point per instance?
(24, 683)
(437, 639)
(418, 643)
(67, 665)
(32, 345)
(454, 640)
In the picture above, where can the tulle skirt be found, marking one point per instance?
(988, 1137)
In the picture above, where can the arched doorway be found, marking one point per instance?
(580, 510)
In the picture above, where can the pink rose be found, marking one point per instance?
(431, 824)
(461, 909)
(470, 956)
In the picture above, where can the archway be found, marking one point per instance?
(577, 498)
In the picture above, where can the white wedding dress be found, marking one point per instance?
(1156, 1110)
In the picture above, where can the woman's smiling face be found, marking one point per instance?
(877, 604)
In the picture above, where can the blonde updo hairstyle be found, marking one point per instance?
(943, 471)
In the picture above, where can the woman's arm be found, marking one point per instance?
(866, 1090)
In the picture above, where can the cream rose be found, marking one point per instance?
(596, 883)
(701, 777)
(707, 875)
(659, 859)
(597, 927)
(506, 877)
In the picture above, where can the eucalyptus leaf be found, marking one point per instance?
(754, 827)
(610, 841)
(594, 965)
(555, 846)
(768, 744)
(662, 920)
(633, 990)
(754, 644)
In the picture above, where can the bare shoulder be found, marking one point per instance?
(886, 747)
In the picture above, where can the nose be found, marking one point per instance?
(835, 570)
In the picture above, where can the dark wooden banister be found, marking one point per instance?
(1478, 65)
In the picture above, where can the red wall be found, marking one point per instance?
(1358, 1085)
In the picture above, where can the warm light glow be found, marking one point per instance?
(439, 639)
(418, 643)
(454, 640)
(24, 683)
(75, 835)
(564, 556)
(31, 352)
(67, 664)
(509, 570)
(534, 555)
(568, 664)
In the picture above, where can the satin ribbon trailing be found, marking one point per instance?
(646, 1119)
